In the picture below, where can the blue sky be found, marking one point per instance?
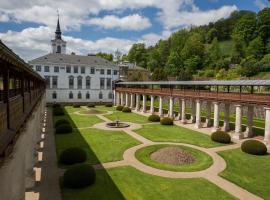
(105, 25)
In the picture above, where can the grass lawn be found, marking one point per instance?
(161, 133)
(129, 183)
(248, 171)
(203, 160)
(70, 109)
(127, 117)
(104, 108)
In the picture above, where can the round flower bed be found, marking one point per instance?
(221, 137)
(72, 155)
(254, 147)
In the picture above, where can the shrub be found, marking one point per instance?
(79, 176)
(154, 118)
(57, 111)
(166, 121)
(126, 110)
(109, 105)
(76, 106)
(72, 155)
(56, 105)
(254, 147)
(221, 137)
(119, 108)
(91, 105)
(60, 122)
(63, 129)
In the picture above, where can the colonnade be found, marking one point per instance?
(129, 100)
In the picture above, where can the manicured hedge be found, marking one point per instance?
(126, 110)
(108, 105)
(91, 105)
(154, 118)
(72, 155)
(119, 108)
(166, 121)
(254, 147)
(63, 129)
(76, 106)
(58, 111)
(79, 176)
(56, 105)
(60, 122)
(221, 137)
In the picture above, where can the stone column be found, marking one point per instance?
(160, 106)
(122, 98)
(127, 100)
(118, 99)
(183, 111)
(138, 99)
(179, 109)
(216, 117)
(193, 111)
(152, 105)
(250, 113)
(144, 103)
(267, 126)
(208, 114)
(132, 101)
(238, 122)
(171, 107)
(226, 125)
(198, 114)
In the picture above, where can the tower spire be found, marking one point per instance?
(58, 30)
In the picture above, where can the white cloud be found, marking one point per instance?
(260, 4)
(151, 39)
(130, 22)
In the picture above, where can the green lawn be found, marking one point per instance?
(104, 108)
(248, 171)
(129, 183)
(70, 109)
(127, 117)
(161, 133)
(203, 160)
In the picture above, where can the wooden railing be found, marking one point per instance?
(246, 98)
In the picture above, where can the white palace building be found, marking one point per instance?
(75, 78)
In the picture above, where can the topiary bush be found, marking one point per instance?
(63, 129)
(166, 121)
(72, 155)
(154, 118)
(79, 176)
(254, 147)
(91, 105)
(126, 110)
(76, 106)
(109, 105)
(56, 105)
(221, 137)
(60, 122)
(119, 108)
(58, 111)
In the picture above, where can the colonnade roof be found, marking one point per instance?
(202, 83)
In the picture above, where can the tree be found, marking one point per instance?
(214, 50)
(106, 56)
(264, 24)
(159, 74)
(256, 48)
(137, 54)
(211, 34)
(238, 50)
(118, 56)
(174, 63)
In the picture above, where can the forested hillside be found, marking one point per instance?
(236, 47)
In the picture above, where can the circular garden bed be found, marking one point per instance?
(174, 158)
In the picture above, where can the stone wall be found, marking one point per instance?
(16, 170)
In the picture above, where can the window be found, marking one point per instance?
(87, 96)
(101, 71)
(109, 72)
(88, 82)
(58, 49)
(70, 95)
(79, 82)
(71, 82)
(115, 72)
(75, 69)
(38, 68)
(102, 84)
(110, 96)
(68, 69)
(54, 95)
(56, 69)
(48, 81)
(54, 81)
(79, 95)
(109, 83)
(100, 95)
(82, 70)
(92, 70)
(46, 69)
